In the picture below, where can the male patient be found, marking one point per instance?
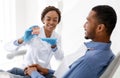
(98, 27)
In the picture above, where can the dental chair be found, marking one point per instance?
(13, 51)
(4, 75)
(111, 69)
(11, 55)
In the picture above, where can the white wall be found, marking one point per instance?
(27, 14)
(20, 17)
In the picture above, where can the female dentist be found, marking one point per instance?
(42, 42)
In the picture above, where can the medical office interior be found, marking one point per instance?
(17, 15)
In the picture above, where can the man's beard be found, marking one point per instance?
(86, 37)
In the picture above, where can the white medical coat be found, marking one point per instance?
(40, 52)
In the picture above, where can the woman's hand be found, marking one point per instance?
(40, 69)
(29, 70)
(36, 30)
(53, 46)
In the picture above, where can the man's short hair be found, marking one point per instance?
(106, 15)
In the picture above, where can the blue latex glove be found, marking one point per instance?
(51, 41)
(28, 34)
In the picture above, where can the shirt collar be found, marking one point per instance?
(97, 45)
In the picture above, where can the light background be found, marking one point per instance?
(23, 13)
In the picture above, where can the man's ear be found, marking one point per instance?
(101, 27)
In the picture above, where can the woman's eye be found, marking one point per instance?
(48, 19)
(55, 20)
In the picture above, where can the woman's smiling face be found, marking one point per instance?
(51, 20)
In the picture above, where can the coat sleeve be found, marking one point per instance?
(59, 54)
(28, 58)
(13, 46)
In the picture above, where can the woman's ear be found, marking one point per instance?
(43, 21)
